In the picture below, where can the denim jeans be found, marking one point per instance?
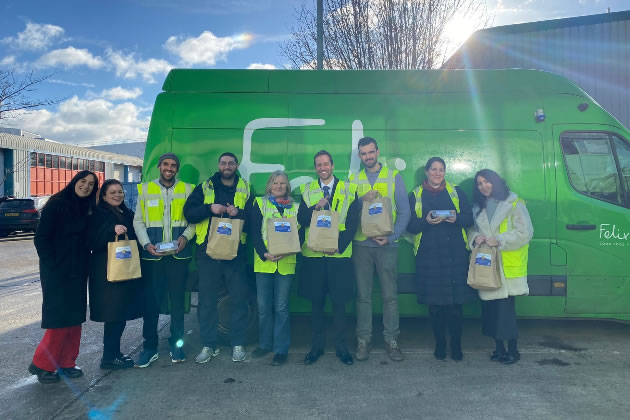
(385, 261)
(272, 290)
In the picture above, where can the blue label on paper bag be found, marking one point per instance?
(483, 259)
(282, 227)
(324, 221)
(224, 228)
(376, 208)
(123, 252)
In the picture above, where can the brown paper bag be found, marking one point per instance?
(224, 238)
(323, 233)
(484, 272)
(282, 236)
(123, 260)
(376, 217)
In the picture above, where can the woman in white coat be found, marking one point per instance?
(502, 220)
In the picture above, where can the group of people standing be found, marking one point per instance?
(74, 231)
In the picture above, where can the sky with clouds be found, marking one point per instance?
(108, 59)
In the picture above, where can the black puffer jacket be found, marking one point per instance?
(442, 260)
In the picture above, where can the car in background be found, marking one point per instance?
(18, 215)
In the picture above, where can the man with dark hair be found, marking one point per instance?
(380, 253)
(332, 273)
(158, 221)
(223, 193)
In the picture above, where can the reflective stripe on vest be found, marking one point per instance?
(343, 197)
(152, 206)
(287, 264)
(240, 198)
(514, 262)
(385, 184)
(452, 192)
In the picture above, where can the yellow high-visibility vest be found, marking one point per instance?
(287, 264)
(385, 184)
(341, 200)
(452, 192)
(152, 206)
(514, 262)
(240, 198)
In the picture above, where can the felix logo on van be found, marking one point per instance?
(610, 232)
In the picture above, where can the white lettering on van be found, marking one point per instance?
(608, 232)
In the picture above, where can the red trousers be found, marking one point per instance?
(58, 349)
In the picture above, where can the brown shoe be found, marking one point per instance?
(393, 351)
(363, 349)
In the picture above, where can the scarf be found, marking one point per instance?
(280, 202)
(427, 187)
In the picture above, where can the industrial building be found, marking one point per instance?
(591, 51)
(31, 166)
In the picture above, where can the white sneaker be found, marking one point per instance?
(238, 353)
(206, 355)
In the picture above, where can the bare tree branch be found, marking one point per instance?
(16, 92)
(378, 34)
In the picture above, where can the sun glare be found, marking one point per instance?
(458, 30)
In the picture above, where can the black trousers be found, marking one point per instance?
(338, 325)
(112, 331)
(498, 319)
(213, 275)
(165, 281)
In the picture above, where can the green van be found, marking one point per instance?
(556, 147)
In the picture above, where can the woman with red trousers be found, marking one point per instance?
(61, 243)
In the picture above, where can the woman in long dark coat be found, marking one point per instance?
(61, 243)
(442, 258)
(112, 303)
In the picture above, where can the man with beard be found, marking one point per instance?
(380, 253)
(158, 220)
(332, 273)
(224, 193)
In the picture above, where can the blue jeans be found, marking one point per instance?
(272, 290)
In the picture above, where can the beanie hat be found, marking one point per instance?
(169, 156)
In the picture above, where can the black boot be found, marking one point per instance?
(499, 351)
(438, 324)
(455, 318)
(512, 356)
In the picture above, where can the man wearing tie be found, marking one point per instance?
(332, 273)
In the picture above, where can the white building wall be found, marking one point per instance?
(21, 173)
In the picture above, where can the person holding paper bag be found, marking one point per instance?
(441, 215)
(222, 197)
(165, 235)
(112, 303)
(328, 273)
(274, 273)
(61, 243)
(502, 220)
(378, 253)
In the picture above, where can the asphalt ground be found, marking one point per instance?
(569, 369)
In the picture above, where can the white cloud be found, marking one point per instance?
(207, 48)
(119, 93)
(35, 37)
(260, 66)
(70, 57)
(126, 66)
(93, 121)
(9, 60)
(65, 82)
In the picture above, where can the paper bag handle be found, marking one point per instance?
(117, 236)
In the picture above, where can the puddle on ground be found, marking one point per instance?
(557, 344)
(229, 381)
(554, 362)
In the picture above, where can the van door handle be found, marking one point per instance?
(581, 227)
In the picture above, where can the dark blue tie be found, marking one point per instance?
(326, 189)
